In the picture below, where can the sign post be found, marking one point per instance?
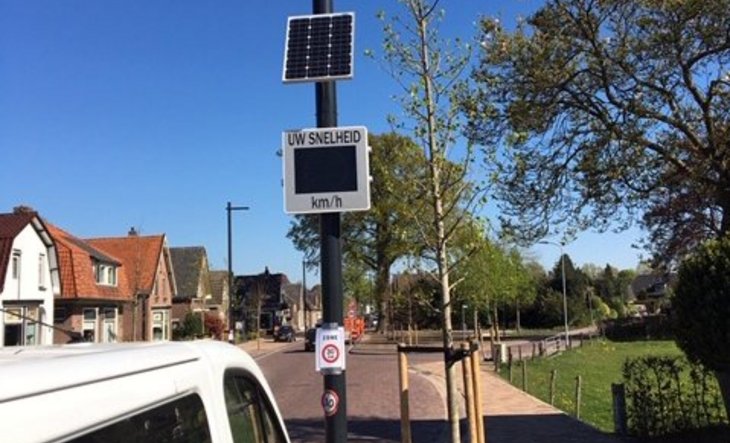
(324, 172)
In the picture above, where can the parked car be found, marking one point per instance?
(310, 338)
(202, 391)
(285, 333)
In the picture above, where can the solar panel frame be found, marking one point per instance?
(306, 48)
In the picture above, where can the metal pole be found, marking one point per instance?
(565, 299)
(331, 258)
(304, 294)
(231, 320)
(231, 324)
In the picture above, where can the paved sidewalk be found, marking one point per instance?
(259, 348)
(515, 417)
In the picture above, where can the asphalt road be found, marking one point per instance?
(373, 407)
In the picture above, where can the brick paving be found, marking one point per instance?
(513, 416)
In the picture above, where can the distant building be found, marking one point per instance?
(261, 294)
(220, 302)
(93, 294)
(28, 279)
(652, 290)
(150, 283)
(192, 278)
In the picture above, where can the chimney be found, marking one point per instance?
(132, 232)
(22, 209)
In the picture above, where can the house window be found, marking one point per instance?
(89, 327)
(21, 326)
(109, 325)
(16, 265)
(160, 325)
(112, 275)
(42, 271)
(105, 274)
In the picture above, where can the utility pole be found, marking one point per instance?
(304, 294)
(231, 320)
(331, 257)
(565, 298)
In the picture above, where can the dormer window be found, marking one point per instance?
(105, 274)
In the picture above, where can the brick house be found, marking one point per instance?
(192, 277)
(220, 302)
(28, 279)
(261, 293)
(150, 283)
(94, 294)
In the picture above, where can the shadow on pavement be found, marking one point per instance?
(550, 428)
(367, 429)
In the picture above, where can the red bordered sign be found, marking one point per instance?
(330, 402)
(330, 353)
(330, 347)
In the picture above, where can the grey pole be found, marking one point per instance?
(231, 320)
(331, 258)
(565, 298)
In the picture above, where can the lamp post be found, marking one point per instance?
(231, 321)
(565, 298)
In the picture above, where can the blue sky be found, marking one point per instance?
(154, 114)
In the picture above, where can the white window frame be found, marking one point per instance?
(160, 318)
(105, 336)
(16, 262)
(42, 271)
(104, 274)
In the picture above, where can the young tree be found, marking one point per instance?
(430, 72)
(611, 111)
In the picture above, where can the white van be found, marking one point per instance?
(202, 391)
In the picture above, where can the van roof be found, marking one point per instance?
(39, 369)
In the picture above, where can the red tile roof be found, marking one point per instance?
(75, 261)
(140, 256)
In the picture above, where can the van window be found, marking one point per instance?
(182, 420)
(250, 415)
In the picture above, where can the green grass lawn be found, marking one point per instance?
(599, 363)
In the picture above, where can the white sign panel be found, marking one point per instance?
(330, 350)
(326, 170)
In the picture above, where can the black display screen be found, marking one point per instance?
(319, 170)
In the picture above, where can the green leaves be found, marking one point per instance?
(607, 112)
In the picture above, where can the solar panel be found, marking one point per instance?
(319, 47)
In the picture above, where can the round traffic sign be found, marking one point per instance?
(330, 402)
(330, 353)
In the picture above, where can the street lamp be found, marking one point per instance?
(231, 321)
(565, 299)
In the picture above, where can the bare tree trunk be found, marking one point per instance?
(435, 161)
(495, 321)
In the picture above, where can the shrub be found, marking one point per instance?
(701, 305)
(667, 395)
(657, 327)
(701, 309)
(191, 327)
(214, 326)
